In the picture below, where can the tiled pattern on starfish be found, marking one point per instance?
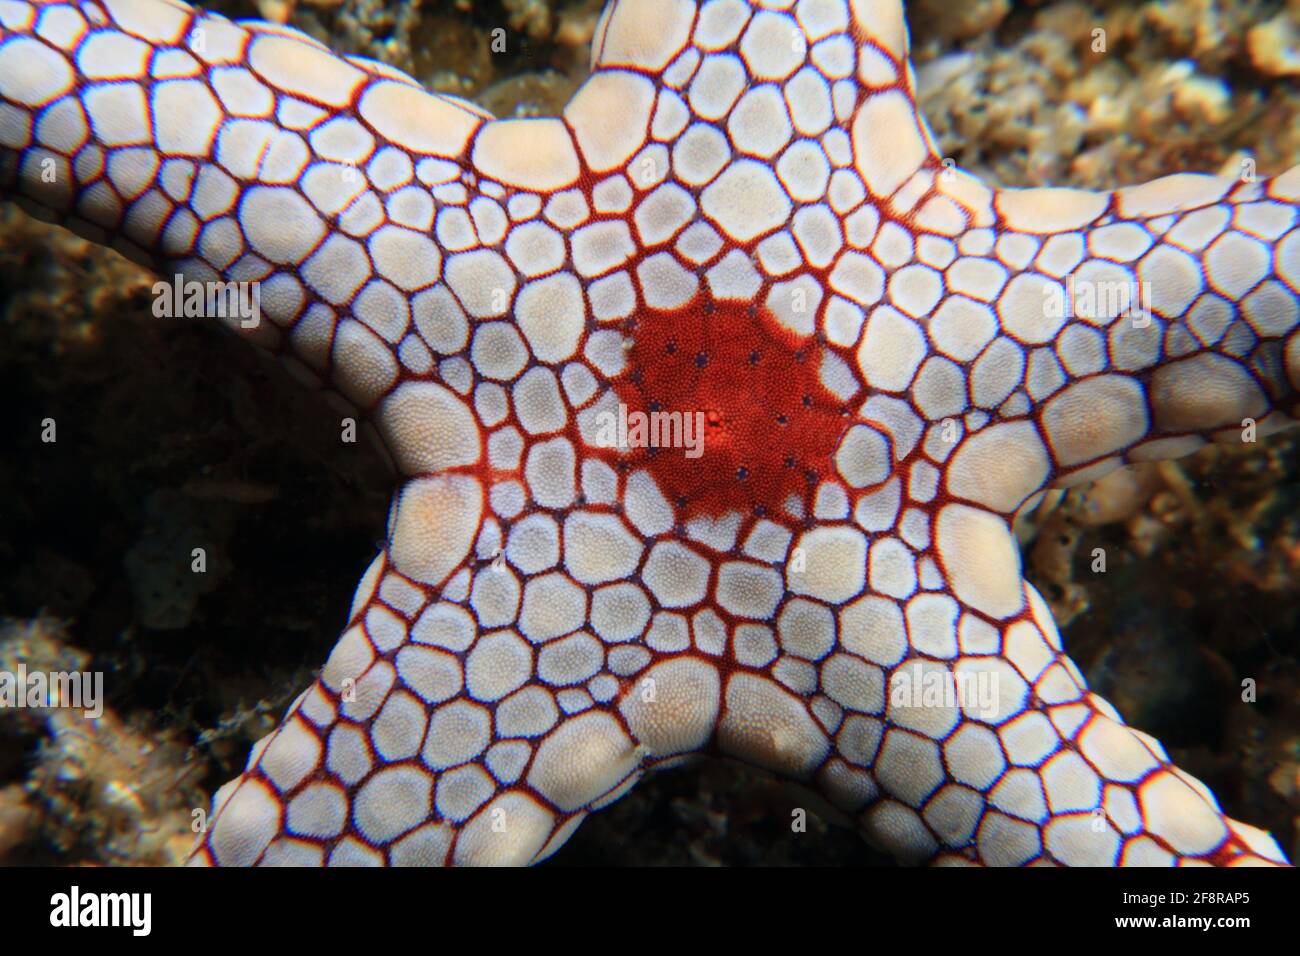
(740, 214)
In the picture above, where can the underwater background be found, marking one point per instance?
(173, 435)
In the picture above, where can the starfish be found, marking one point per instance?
(712, 402)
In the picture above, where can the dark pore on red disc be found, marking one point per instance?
(770, 426)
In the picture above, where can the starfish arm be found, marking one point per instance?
(223, 153)
(963, 733)
(1094, 329)
(418, 744)
(466, 716)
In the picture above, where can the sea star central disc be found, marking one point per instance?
(770, 426)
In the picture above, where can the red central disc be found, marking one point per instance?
(770, 427)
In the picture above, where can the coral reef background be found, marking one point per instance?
(172, 435)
